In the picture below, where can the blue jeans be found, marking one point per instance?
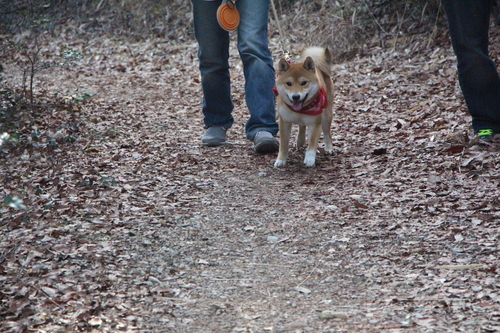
(469, 21)
(213, 54)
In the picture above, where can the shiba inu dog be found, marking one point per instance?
(304, 96)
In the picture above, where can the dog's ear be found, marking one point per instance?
(328, 56)
(309, 64)
(283, 65)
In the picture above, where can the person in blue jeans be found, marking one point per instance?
(213, 54)
(469, 22)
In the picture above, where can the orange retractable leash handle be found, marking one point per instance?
(228, 16)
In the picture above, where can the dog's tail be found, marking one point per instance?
(322, 58)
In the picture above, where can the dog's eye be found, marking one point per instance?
(289, 84)
(303, 83)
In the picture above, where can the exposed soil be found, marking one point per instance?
(136, 227)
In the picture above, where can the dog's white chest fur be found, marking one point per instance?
(297, 118)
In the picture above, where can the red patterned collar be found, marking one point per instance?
(315, 107)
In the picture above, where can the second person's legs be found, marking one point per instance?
(469, 23)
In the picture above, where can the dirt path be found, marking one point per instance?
(135, 227)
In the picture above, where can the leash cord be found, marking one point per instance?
(230, 4)
(286, 55)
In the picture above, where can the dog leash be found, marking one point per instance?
(286, 54)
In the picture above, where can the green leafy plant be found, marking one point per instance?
(69, 56)
(11, 201)
(14, 202)
(4, 138)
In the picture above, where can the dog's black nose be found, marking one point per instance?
(296, 97)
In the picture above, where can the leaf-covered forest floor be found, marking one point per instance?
(133, 226)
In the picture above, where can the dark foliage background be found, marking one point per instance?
(350, 24)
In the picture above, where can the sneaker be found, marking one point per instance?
(214, 136)
(485, 135)
(264, 143)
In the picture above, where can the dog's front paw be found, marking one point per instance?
(309, 163)
(310, 159)
(279, 163)
(329, 148)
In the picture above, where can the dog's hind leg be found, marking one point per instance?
(326, 125)
(301, 137)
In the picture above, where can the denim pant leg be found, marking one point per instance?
(257, 65)
(469, 22)
(213, 54)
